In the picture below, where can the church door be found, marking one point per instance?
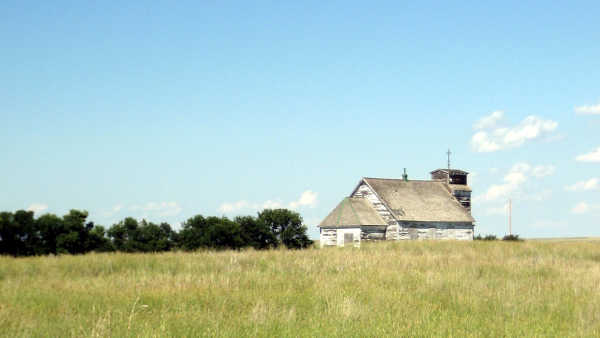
(348, 238)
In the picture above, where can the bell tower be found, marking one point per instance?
(457, 182)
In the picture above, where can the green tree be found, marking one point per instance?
(123, 235)
(153, 238)
(130, 235)
(193, 233)
(50, 227)
(286, 226)
(211, 232)
(224, 233)
(98, 240)
(173, 236)
(10, 235)
(75, 238)
(256, 233)
(19, 235)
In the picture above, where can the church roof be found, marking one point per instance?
(422, 201)
(352, 212)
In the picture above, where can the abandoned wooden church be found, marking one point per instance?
(400, 209)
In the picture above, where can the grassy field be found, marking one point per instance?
(534, 288)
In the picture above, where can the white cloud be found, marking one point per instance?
(271, 205)
(501, 210)
(307, 199)
(537, 196)
(113, 211)
(231, 207)
(482, 143)
(591, 184)
(514, 179)
(588, 110)
(492, 138)
(593, 156)
(37, 207)
(530, 128)
(489, 121)
(543, 170)
(162, 209)
(176, 225)
(581, 208)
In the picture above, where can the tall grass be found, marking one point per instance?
(407, 288)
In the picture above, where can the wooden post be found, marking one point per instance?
(509, 216)
(448, 178)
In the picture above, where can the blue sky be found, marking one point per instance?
(167, 110)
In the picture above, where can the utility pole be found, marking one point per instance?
(449, 153)
(509, 216)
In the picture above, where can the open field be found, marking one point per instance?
(408, 288)
(564, 239)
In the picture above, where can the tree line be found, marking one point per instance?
(491, 237)
(21, 234)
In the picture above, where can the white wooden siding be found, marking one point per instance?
(355, 233)
(328, 237)
(335, 237)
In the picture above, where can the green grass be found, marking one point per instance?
(426, 288)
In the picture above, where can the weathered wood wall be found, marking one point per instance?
(404, 231)
(438, 230)
(464, 197)
(439, 175)
(372, 233)
(364, 191)
(328, 237)
(336, 236)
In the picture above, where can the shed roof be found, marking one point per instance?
(422, 201)
(352, 212)
(452, 171)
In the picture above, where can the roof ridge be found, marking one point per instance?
(400, 179)
(446, 170)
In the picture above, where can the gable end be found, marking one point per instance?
(364, 190)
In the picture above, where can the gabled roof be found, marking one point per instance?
(352, 212)
(422, 201)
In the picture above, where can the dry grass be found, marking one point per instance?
(410, 288)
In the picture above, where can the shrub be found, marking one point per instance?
(485, 238)
(514, 238)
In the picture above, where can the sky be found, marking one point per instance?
(165, 110)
